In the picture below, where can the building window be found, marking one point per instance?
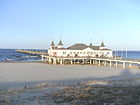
(64, 52)
(108, 53)
(70, 52)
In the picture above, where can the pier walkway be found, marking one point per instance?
(32, 52)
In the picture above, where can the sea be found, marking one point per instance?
(10, 55)
(127, 54)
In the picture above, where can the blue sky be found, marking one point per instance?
(34, 23)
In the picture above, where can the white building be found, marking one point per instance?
(79, 50)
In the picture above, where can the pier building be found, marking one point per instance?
(79, 50)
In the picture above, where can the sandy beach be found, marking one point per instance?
(14, 75)
(43, 84)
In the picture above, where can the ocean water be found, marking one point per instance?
(10, 55)
(127, 54)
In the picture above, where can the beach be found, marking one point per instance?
(14, 75)
(44, 84)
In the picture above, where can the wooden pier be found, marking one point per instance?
(32, 52)
(89, 60)
(83, 60)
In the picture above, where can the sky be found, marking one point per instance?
(35, 23)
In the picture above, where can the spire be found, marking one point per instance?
(60, 43)
(102, 44)
(52, 44)
(90, 44)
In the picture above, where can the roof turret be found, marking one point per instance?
(90, 44)
(52, 44)
(102, 44)
(60, 43)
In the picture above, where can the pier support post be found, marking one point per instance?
(83, 61)
(105, 63)
(130, 65)
(61, 62)
(49, 60)
(42, 58)
(71, 62)
(110, 64)
(116, 64)
(74, 61)
(54, 61)
(99, 62)
(46, 59)
(93, 62)
(90, 62)
(58, 60)
(123, 64)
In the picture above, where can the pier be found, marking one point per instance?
(89, 61)
(83, 60)
(32, 52)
